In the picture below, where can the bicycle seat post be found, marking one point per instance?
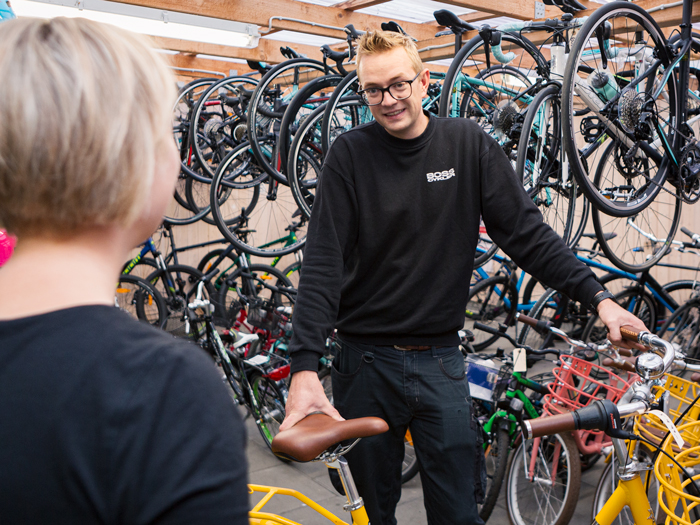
(340, 464)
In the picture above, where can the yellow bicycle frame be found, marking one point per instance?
(631, 493)
(257, 517)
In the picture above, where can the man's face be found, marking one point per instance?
(403, 119)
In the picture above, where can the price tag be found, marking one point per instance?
(670, 426)
(519, 360)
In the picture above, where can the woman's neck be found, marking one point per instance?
(44, 275)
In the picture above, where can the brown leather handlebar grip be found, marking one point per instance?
(620, 365)
(548, 425)
(527, 320)
(625, 352)
(628, 334)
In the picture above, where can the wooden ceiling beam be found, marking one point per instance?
(353, 5)
(261, 12)
(267, 50)
(205, 65)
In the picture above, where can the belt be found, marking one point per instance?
(414, 347)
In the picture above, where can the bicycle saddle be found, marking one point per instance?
(449, 19)
(317, 432)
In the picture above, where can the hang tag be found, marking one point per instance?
(519, 360)
(670, 426)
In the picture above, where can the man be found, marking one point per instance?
(388, 261)
(104, 419)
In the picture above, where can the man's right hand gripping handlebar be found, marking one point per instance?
(306, 396)
(605, 415)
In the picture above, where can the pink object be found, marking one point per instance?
(7, 246)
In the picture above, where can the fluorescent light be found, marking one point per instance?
(155, 22)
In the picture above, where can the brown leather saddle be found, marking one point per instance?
(316, 433)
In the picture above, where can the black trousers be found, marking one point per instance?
(426, 391)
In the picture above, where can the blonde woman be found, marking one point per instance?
(103, 419)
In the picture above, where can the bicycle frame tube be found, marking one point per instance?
(256, 516)
(631, 493)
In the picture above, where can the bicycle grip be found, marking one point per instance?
(548, 425)
(687, 231)
(622, 364)
(629, 334)
(625, 352)
(541, 327)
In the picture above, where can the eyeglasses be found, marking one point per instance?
(400, 90)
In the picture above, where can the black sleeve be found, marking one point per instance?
(331, 237)
(180, 450)
(515, 224)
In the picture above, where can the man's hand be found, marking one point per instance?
(306, 396)
(615, 317)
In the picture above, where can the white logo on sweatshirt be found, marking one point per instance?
(440, 175)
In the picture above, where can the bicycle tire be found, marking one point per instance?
(265, 112)
(522, 500)
(471, 58)
(141, 300)
(305, 161)
(340, 117)
(485, 248)
(540, 163)
(627, 191)
(486, 304)
(270, 401)
(218, 121)
(293, 273)
(496, 456)
(184, 281)
(683, 328)
(681, 291)
(630, 250)
(304, 103)
(267, 218)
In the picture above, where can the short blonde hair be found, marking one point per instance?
(84, 108)
(373, 42)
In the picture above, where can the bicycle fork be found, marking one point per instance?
(531, 465)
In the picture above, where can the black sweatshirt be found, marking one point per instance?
(393, 233)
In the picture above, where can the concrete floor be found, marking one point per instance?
(311, 479)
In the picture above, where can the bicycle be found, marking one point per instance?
(319, 438)
(607, 416)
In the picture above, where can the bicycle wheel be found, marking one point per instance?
(550, 496)
(496, 454)
(270, 403)
(485, 248)
(635, 300)
(612, 48)
(229, 301)
(683, 328)
(561, 311)
(218, 122)
(643, 239)
(478, 86)
(177, 284)
(305, 161)
(293, 273)
(140, 299)
(266, 109)
(256, 219)
(540, 164)
(344, 110)
(492, 301)
(681, 291)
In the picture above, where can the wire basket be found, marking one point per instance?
(263, 315)
(575, 386)
(682, 394)
(675, 497)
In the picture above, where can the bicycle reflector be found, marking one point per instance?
(279, 373)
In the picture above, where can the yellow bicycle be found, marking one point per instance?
(319, 437)
(674, 467)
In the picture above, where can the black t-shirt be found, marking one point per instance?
(393, 233)
(107, 420)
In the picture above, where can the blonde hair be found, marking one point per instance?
(373, 42)
(84, 109)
